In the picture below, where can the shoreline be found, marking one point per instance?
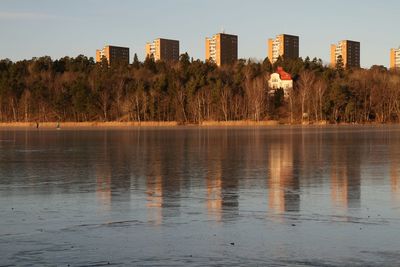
(117, 124)
(167, 124)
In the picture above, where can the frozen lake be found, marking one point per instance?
(272, 196)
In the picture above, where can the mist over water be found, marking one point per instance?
(194, 196)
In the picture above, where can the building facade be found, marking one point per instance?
(280, 80)
(163, 49)
(222, 48)
(113, 54)
(349, 51)
(395, 58)
(283, 45)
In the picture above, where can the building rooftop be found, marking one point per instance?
(283, 74)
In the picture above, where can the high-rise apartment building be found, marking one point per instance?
(222, 48)
(395, 58)
(283, 45)
(349, 51)
(113, 54)
(163, 49)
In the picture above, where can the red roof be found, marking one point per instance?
(284, 75)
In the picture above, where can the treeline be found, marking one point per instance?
(192, 91)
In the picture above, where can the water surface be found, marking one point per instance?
(201, 196)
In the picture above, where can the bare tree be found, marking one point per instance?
(319, 89)
(26, 96)
(305, 85)
(291, 98)
(119, 95)
(181, 98)
(255, 90)
(224, 98)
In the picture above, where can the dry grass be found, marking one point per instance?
(239, 123)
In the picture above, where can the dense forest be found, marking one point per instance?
(192, 91)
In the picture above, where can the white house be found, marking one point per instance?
(280, 79)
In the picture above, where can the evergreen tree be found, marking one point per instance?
(339, 65)
(136, 62)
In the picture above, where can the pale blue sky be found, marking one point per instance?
(30, 28)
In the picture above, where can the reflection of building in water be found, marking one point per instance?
(394, 171)
(164, 170)
(154, 191)
(103, 187)
(354, 180)
(214, 193)
(231, 151)
(214, 198)
(339, 186)
(283, 187)
(394, 181)
(154, 199)
(229, 194)
(118, 156)
(346, 172)
(222, 180)
(113, 164)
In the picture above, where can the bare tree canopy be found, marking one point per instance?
(192, 91)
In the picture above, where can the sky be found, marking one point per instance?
(58, 28)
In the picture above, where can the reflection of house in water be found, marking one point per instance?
(283, 192)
